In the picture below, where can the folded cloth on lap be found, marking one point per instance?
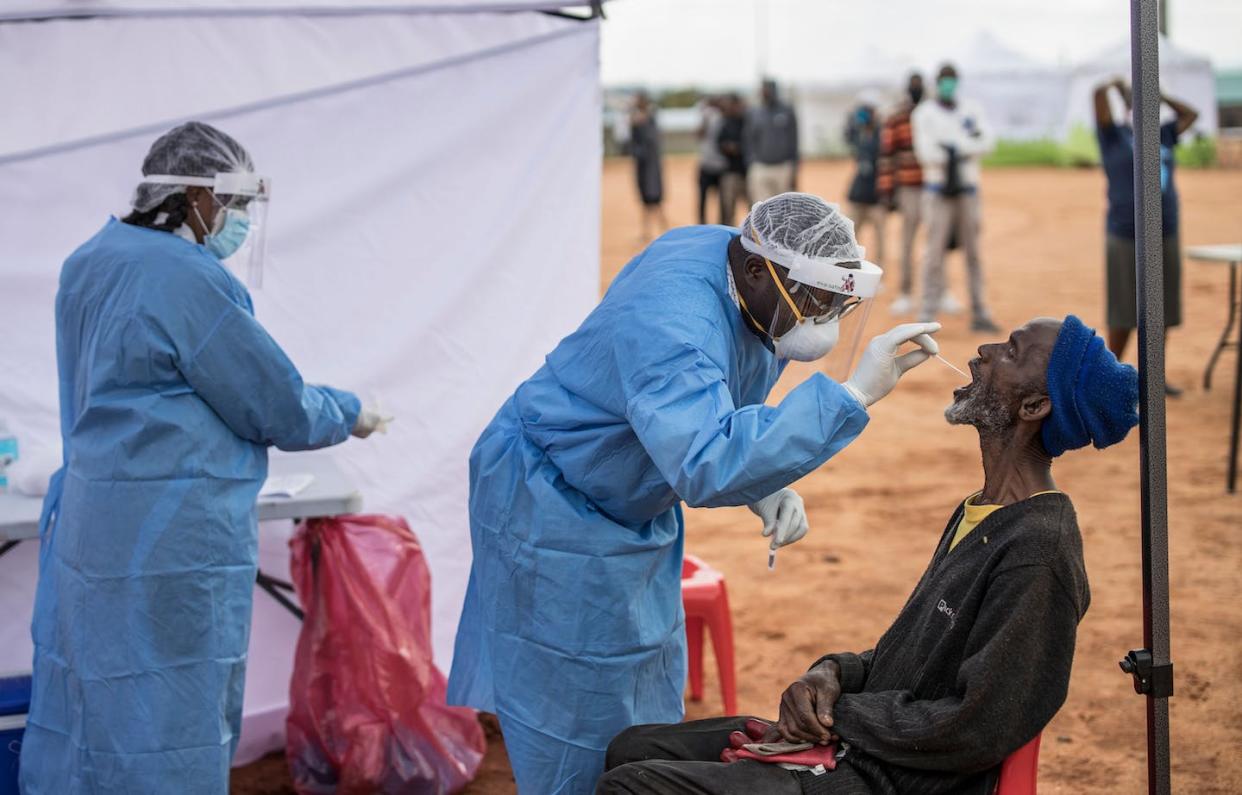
(811, 757)
(792, 756)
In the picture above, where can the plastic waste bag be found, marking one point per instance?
(367, 711)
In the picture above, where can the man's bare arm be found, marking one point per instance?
(1103, 111)
(1186, 115)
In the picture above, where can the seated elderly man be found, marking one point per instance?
(978, 661)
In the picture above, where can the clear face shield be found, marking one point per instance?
(239, 231)
(822, 309)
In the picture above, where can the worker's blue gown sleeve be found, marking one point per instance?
(572, 628)
(170, 394)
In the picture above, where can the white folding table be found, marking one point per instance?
(329, 494)
(1232, 255)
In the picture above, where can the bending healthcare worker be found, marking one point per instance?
(573, 626)
(170, 394)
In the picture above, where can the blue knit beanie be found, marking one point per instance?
(1094, 397)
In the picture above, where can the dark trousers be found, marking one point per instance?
(707, 181)
(684, 759)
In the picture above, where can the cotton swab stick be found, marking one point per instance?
(948, 364)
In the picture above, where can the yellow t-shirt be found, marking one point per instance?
(973, 514)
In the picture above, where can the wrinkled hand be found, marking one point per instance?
(807, 704)
(880, 366)
(784, 517)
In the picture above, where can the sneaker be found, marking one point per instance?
(985, 325)
(949, 304)
(1173, 391)
(902, 305)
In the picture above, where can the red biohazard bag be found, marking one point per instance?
(367, 711)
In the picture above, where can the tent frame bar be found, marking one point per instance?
(339, 10)
(1151, 667)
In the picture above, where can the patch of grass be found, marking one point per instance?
(1026, 153)
(1198, 152)
(1080, 149)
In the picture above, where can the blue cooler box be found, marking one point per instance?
(14, 704)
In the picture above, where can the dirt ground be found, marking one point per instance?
(877, 509)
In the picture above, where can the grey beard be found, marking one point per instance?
(982, 408)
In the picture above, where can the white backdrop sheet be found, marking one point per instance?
(434, 231)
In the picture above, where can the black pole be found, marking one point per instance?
(1151, 666)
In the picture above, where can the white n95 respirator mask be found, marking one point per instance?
(808, 340)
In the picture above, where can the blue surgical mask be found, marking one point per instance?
(230, 235)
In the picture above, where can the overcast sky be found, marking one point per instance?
(726, 42)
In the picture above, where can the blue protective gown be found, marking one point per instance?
(573, 626)
(170, 394)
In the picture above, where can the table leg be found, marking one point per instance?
(1229, 320)
(7, 545)
(1237, 410)
(273, 586)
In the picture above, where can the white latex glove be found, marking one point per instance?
(880, 366)
(784, 517)
(370, 421)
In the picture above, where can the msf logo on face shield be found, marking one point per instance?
(848, 285)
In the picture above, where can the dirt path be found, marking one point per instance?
(877, 509)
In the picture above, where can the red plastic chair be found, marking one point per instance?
(1019, 771)
(707, 607)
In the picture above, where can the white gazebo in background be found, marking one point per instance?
(1024, 99)
(1183, 74)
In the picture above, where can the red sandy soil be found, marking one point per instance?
(878, 509)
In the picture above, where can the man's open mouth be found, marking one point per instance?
(961, 391)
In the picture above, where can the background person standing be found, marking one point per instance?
(901, 180)
(648, 155)
(712, 162)
(732, 144)
(950, 137)
(772, 146)
(1116, 139)
(867, 206)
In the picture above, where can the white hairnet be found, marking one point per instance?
(193, 149)
(791, 226)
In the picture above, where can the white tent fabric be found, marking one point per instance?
(434, 228)
(1023, 98)
(1183, 74)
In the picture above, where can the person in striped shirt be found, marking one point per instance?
(900, 182)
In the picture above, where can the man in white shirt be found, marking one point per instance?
(950, 138)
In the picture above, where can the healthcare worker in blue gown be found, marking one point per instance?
(170, 395)
(573, 627)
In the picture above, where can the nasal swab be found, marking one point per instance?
(771, 558)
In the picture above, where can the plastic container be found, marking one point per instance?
(14, 704)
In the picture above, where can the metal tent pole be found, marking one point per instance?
(1151, 666)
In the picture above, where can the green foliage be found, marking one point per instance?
(679, 98)
(1025, 153)
(1080, 149)
(1198, 152)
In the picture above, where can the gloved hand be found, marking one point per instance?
(369, 422)
(880, 366)
(784, 517)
